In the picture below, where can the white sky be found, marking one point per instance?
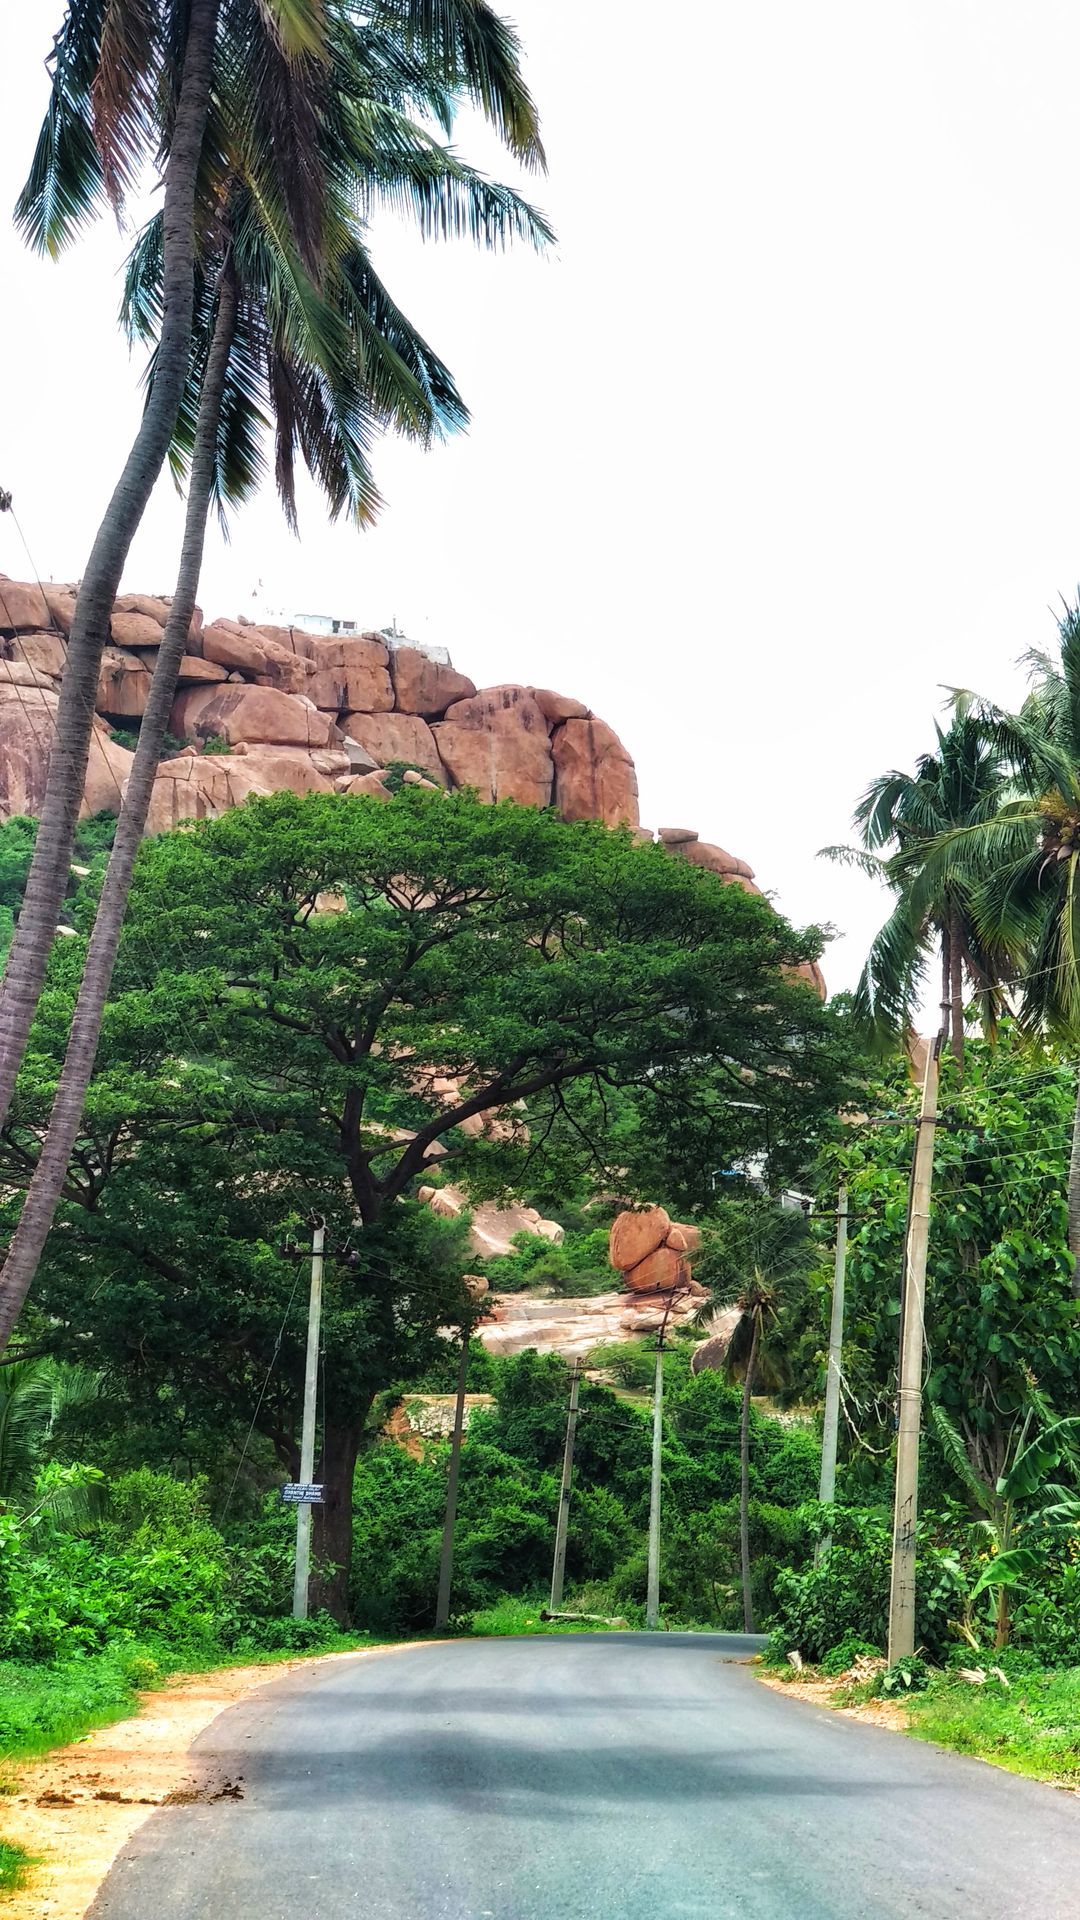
(782, 439)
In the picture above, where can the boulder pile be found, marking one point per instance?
(260, 709)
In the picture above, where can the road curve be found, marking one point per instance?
(606, 1777)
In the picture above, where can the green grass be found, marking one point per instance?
(13, 1867)
(43, 1706)
(523, 1616)
(1031, 1727)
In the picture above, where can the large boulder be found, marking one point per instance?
(135, 630)
(123, 685)
(594, 775)
(635, 1235)
(23, 606)
(259, 715)
(659, 1272)
(702, 853)
(60, 601)
(351, 676)
(245, 650)
(27, 731)
(197, 786)
(507, 709)
(395, 736)
(423, 686)
(557, 707)
(501, 764)
(149, 604)
(45, 651)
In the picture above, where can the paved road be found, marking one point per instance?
(621, 1777)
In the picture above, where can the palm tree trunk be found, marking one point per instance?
(956, 994)
(744, 1479)
(45, 1188)
(1074, 1195)
(70, 751)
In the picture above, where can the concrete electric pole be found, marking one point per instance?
(558, 1569)
(302, 1572)
(830, 1431)
(446, 1558)
(906, 1508)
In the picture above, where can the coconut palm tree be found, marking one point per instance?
(133, 89)
(1020, 867)
(762, 1257)
(901, 816)
(332, 365)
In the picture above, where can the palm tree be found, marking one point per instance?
(765, 1255)
(35, 1396)
(1020, 867)
(901, 817)
(133, 87)
(332, 364)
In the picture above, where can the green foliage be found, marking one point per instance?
(847, 1592)
(1032, 1726)
(215, 743)
(577, 1266)
(909, 1674)
(393, 774)
(845, 1653)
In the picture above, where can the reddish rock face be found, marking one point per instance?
(123, 685)
(261, 715)
(150, 604)
(635, 1235)
(27, 729)
(684, 1239)
(501, 765)
(244, 650)
(557, 707)
(135, 630)
(701, 853)
(423, 686)
(675, 836)
(659, 1272)
(61, 605)
(369, 784)
(45, 651)
(23, 607)
(594, 774)
(500, 710)
(395, 736)
(350, 676)
(200, 786)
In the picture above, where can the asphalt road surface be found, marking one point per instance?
(615, 1777)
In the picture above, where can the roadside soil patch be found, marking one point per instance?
(821, 1692)
(75, 1809)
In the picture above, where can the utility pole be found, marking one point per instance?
(446, 1559)
(830, 1431)
(558, 1569)
(302, 1571)
(652, 1600)
(905, 1512)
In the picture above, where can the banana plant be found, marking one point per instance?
(1025, 1515)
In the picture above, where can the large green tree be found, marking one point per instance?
(286, 1060)
(321, 349)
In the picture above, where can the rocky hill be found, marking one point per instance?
(265, 708)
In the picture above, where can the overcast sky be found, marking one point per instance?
(782, 438)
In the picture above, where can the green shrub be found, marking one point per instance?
(847, 1592)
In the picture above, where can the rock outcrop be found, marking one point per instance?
(284, 708)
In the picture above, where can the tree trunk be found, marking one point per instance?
(43, 1194)
(946, 974)
(1074, 1195)
(744, 1479)
(1002, 1621)
(70, 751)
(333, 1521)
(956, 995)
